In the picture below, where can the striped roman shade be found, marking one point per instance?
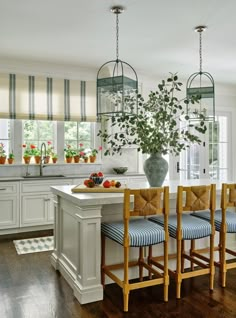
(42, 98)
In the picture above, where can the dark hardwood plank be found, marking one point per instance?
(30, 287)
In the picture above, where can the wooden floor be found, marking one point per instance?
(30, 287)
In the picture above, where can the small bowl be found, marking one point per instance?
(97, 180)
(120, 170)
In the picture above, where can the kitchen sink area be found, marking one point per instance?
(49, 176)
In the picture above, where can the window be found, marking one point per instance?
(38, 131)
(79, 133)
(5, 135)
(14, 133)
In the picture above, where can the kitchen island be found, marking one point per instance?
(77, 249)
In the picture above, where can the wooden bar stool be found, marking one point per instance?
(136, 231)
(225, 222)
(185, 227)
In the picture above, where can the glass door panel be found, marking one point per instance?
(211, 158)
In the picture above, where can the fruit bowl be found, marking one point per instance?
(97, 177)
(97, 180)
(120, 170)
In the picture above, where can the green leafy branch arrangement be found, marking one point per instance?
(156, 126)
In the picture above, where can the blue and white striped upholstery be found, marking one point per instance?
(192, 228)
(230, 219)
(141, 232)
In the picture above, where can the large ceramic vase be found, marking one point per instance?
(155, 168)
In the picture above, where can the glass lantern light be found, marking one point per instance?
(201, 84)
(117, 83)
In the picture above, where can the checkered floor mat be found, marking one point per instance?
(34, 245)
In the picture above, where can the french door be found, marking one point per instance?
(211, 158)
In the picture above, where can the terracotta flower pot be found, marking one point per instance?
(68, 159)
(85, 160)
(10, 161)
(76, 159)
(37, 159)
(46, 159)
(54, 160)
(92, 159)
(2, 160)
(27, 160)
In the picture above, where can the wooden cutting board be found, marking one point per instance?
(98, 189)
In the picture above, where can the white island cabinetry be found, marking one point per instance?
(9, 203)
(78, 217)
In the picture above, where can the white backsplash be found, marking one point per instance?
(129, 159)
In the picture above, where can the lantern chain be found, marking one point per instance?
(117, 36)
(200, 49)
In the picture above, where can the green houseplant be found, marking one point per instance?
(69, 153)
(11, 157)
(2, 154)
(155, 129)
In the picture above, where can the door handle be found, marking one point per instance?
(178, 168)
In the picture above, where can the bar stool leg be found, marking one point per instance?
(178, 270)
(223, 268)
(182, 257)
(212, 266)
(126, 279)
(140, 261)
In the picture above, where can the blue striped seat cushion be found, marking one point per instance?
(230, 219)
(141, 232)
(192, 228)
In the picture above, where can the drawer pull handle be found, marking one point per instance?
(3, 188)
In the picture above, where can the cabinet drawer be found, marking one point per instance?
(9, 187)
(41, 185)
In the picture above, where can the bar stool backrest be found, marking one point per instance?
(196, 198)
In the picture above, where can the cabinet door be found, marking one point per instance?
(35, 209)
(9, 212)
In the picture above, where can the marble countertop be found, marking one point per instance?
(108, 198)
(48, 177)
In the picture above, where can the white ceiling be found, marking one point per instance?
(156, 36)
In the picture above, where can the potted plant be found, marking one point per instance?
(2, 154)
(93, 154)
(69, 153)
(54, 157)
(29, 151)
(36, 153)
(79, 153)
(10, 158)
(49, 152)
(84, 156)
(155, 128)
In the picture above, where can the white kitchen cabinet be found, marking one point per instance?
(9, 205)
(37, 207)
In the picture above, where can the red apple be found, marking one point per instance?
(107, 184)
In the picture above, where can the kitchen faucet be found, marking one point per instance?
(43, 157)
